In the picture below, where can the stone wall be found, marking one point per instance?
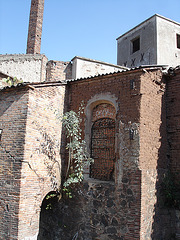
(97, 211)
(129, 207)
(116, 89)
(28, 68)
(141, 142)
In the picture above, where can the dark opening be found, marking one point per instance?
(178, 41)
(103, 149)
(136, 45)
(49, 201)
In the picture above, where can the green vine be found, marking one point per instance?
(77, 151)
(11, 81)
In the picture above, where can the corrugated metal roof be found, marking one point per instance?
(147, 67)
(163, 68)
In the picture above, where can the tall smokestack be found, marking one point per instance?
(35, 27)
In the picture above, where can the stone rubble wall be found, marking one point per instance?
(98, 210)
(28, 68)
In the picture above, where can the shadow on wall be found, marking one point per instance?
(163, 227)
(49, 218)
(58, 219)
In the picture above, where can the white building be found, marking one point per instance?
(156, 41)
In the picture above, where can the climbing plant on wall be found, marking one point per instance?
(11, 81)
(78, 155)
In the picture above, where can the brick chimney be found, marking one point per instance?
(35, 27)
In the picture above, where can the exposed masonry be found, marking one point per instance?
(143, 106)
(30, 157)
(37, 68)
(31, 161)
(26, 67)
(35, 27)
(58, 70)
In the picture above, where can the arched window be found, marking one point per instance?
(103, 142)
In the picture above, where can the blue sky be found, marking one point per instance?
(86, 28)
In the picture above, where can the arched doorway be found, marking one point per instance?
(103, 149)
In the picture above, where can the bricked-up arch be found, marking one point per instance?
(102, 149)
(103, 110)
(103, 142)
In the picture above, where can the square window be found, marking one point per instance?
(178, 41)
(135, 44)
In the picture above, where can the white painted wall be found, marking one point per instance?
(84, 67)
(147, 33)
(157, 43)
(167, 51)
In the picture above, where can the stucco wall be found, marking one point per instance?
(167, 51)
(158, 44)
(148, 47)
(82, 67)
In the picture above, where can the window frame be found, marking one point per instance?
(135, 44)
(178, 40)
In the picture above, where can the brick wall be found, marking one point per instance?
(153, 154)
(117, 87)
(173, 130)
(153, 122)
(141, 158)
(35, 27)
(32, 137)
(30, 155)
(173, 122)
(42, 174)
(58, 70)
(13, 113)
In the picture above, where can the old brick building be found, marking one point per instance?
(131, 125)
